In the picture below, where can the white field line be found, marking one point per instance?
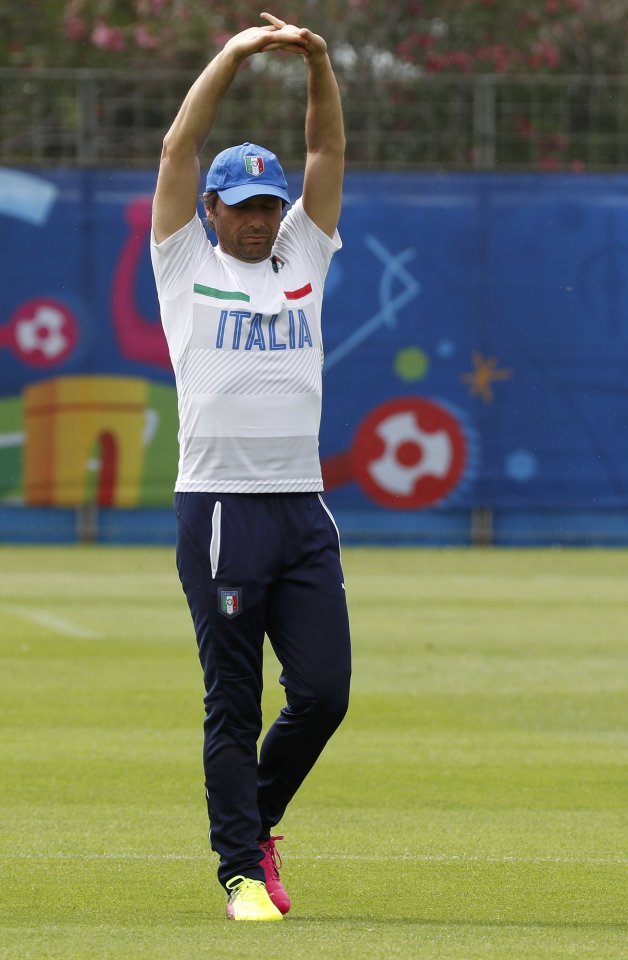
(400, 858)
(11, 439)
(51, 622)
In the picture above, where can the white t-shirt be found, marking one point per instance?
(246, 347)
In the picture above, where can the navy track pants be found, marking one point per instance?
(250, 565)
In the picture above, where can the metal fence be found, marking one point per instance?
(102, 117)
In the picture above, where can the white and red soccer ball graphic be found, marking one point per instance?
(409, 453)
(43, 332)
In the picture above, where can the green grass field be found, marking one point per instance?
(471, 806)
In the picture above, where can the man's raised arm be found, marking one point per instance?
(324, 127)
(325, 142)
(176, 195)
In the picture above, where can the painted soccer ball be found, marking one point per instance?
(409, 453)
(44, 332)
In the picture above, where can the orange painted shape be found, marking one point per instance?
(64, 419)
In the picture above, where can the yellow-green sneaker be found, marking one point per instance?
(249, 900)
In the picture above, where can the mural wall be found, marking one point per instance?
(476, 334)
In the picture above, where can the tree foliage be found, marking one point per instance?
(386, 54)
(420, 36)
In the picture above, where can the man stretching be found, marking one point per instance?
(257, 549)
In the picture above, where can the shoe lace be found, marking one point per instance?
(271, 851)
(239, 885)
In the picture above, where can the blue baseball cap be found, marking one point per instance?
(247, 170)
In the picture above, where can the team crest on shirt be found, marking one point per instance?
(230, 602)
(254, 165)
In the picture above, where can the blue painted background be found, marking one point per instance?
(499, 301)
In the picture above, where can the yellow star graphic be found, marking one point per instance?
(485, 372)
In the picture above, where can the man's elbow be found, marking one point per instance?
(176, 150)
(168, 149)
(336, 142)
(332, 149)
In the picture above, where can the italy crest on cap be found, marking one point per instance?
(254, 165)
(229, 602)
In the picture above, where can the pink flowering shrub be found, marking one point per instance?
(388, 43)
(481, 36)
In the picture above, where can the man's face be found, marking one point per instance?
(247, 230)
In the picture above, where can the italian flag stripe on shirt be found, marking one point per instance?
(298, 294)
(239, 295)
(221, 294)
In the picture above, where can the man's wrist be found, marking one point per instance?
(231, 58)
(318, 59)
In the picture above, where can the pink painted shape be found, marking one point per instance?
(139, 338)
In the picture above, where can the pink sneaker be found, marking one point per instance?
(271, 865)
